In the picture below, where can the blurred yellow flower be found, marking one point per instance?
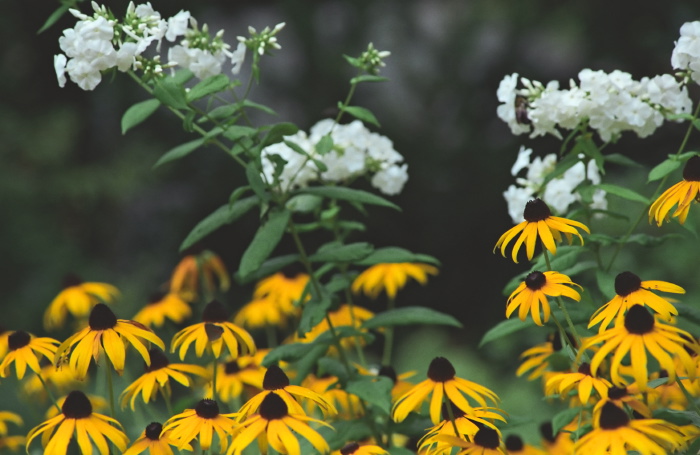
(391, 277)
(198, 274)
(162, 306)
(77, 298)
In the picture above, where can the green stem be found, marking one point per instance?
(168, 402)
(110, 386)
(688, 396)
(562, 307)
(50, 394)
(271, 335)
(215, 366)
(450, 413)
(388, 335)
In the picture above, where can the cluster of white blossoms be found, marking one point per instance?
(101, 42)
(559, 193)
(686, 53)
(356, 152)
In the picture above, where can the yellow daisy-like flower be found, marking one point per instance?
(682, 194)
(162, 306)
(537, 358)
(97, 402)
(277, 382)
(561, 443)
(201, 423)
(582, 380)
(155, 440)
(235, 375)
(105, 333)
(199, 272)
(213, 333)
(631, 290)
(260, 313)
(4, 343)
(345, 315)
(328, 387)
(516, 446)
(25, 350)
(391, 277)
(539, 222)
(531, 295)
(638, 333)
(273, 425)
(355, 448)
(614, 432)
(442, 380)
(77, 298)
(624, 397)
(486, 441)
(157, 378)
(62, 378)
(285, 290)
(77, 420)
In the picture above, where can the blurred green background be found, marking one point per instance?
(77, 196)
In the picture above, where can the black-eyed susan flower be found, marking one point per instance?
(537, 358)
(199, 273)
(162, 306)
(391, 277)
(560, 443)
(539, 223)
(284, 289)
(355, 448)
(442, 380)
(329, 387)
(4, 344)
(345, 315)
(105, 333)
(201, 423)
(582, 381)
(637, 334)
(623, 397)
(77, 298)
(155, 441)
(614, 432)
(213, 333)
(159, 372)
(25, 350)
(277, 382)
(235, 375)
(631, 290)
(260, 313)
(486, 441)
(97, 402)
(682, 194)
(516, 446)
(531, 295)
(273, 425)
(78, 421)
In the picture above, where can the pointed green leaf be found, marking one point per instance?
(53, 18)
(393, 254)
(208, 86)
(138, 113)
(277, 132)
(336, 252)
(252, 173)
(348, 194)
(267, 268)
(266, 239)
(236, 132)
(171, 93)
(504, 328)
(226, 214)
(662, 169)
(623, 192)
(409, 316)
(360, 113)
(325, 144)
(368, 78)
(314, 311)
(373, 390)
(180, 151)
(563, 418)
(622, 160)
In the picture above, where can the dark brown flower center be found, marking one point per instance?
(156, 297)
(585, 368)
(487, 437)
(70, 280)
(18, 339)
(615, 393)
(441, 370)
(232, 367)
(535, 280)
(153, 431)
(102, 318)
(536, 210)
(213, 331)
(638, 320)
(215, 311)
(207, 409)
(158, 360)
(514, 443)
(612, 417)
(76, 406)
(349, 448)
(389, 372)
(275, 378)
(547, 432)
(626, 283)
(273, 407)
(691, 171)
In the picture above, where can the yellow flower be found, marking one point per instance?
(155, 440)
(442, 380)
(623, 397)
(638, 333)
(273, 425)
(77, 298)
(539, 222)
(214, 332)
(354, 448)
(260, 313)
(561, 443)
(12, 442)
(157, 378)
(345, 315)
(163, 306)
(614, 432)
(516, 446)
(328, 387)
(97, 402)
(77, 420)
(7, 416)
(25, 350)
(486, 441)
(536, 359)
(532, 294)
(201, 422)
(236, 374)
(582, 380)
(199, 271)
(62, 378)
(390, 277)
(284, 290)
(105, 333)
(631, 290)
(682, 193)
(4, 344)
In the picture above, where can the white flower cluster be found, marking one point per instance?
(356, 152)
(610, 102)
(558, 193)
(686, 53)
(101, 42)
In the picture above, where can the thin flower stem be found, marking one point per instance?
(168, 402)
(688, 396)
(388, 335)
(562, 307)
(271, 335)
(450, 413)
(110, 386)
(48, 391)
(215, 366)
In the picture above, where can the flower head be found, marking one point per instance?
(77, 420)
(682, 194)
(77, 298)
(539, 222)
(235, 375)
(201, 423)
(390, 277)
(199, 273)
(531, 294)
(155, 440)
(162, 306)
(516, 446)
(25, 350)
(355, 448)
(582, 381)
(486, 441)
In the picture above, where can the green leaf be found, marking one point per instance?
(373, 390)
(391, 254)
(252, 173)
(53, 18)
(348, 194)
(171, 93)
(226, 214)
(212, 84)
(236, 132)
(678, 417)
(410, 315)
(266, 239)
(277, 132)
(622, 160)
(368, 78)
(360, 113)
(182, 76)
(260, 107)
(180, 151)
(303, 203)
(314, 311)
(267, 268)
(662, 169)
(325, 144)
(563, 418)
(504, 328)
(566, 257)
(138, 113)
(623, 192)
(337, 252)
(344, 431)
(400, 451)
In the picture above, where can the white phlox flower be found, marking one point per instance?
(686, 53)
